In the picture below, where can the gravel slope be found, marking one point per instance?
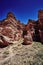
(18, 54)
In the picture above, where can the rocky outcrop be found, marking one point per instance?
(36, 27)
(27, 36)
(11, 30)
(27, 39)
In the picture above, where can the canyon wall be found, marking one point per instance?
(12, 30)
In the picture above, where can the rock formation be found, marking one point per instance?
(40, 24)
(9, 30)
(37, 27)
(12, 30)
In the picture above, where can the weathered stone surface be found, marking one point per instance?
(35, 26)
(12, 30)
(15, 33)
(27, 39)
(9, 31)
(40, 14)
(27, 36)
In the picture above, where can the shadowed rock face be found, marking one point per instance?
(27, 36)
(37, 27)
(41, 35)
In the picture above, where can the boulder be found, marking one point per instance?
(27, 38)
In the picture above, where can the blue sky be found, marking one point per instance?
(22, 9)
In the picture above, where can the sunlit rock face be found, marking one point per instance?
(40, 19)
(40, 14)
(27, 38)
(12, 30)
(9, 31)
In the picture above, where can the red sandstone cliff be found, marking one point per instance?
(12, 30)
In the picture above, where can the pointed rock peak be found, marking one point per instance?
(10, 14)
(18, 21)
(40, 11)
